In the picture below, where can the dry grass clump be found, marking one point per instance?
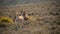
(31, 18)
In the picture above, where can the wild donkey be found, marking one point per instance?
(20, 17)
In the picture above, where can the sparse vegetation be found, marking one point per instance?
(42, 18)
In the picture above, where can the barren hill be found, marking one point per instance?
(47, 18)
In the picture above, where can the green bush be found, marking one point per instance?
(6, 20)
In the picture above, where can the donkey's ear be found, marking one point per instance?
(24, 13)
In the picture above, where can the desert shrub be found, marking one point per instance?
(7, 23)
(29, 14)
(31, 18)
(58, 9)
(6, 19)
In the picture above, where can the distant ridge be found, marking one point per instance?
(20, 2)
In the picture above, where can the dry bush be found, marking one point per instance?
(31, 18)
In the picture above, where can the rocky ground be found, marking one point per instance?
(45, 20)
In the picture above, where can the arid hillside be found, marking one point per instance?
(43, 18)
(19, 2)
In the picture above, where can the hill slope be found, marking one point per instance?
(17, 2)
(47, 18)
